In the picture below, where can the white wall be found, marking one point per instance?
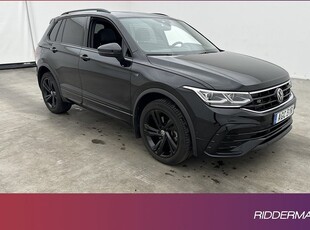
(275, 31)
(16, 43)
(15, 38)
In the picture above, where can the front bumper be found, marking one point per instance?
(237, 140)
(235, 132)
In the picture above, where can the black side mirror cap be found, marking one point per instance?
(111, 50)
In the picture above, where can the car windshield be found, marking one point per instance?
(159, 36)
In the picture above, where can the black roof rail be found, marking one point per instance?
(161, 14)
(74, 11)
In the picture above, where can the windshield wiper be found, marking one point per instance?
(163, 54)
(208, 52)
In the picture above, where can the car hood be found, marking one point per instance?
(224, 70)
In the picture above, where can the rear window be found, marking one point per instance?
(74, 31)
(54, 31)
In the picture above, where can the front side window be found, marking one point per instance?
(74, 31)
(102, 32)
(166, 36)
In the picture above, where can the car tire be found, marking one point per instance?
(165, 132)
(51, 95)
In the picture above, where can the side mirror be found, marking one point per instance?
(110, 50)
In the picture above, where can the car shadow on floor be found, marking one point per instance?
(92, 120)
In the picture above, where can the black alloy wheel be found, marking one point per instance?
(164, 132)
(51, 95)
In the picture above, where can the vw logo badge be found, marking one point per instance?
(279, 93)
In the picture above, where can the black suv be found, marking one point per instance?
(183, 95)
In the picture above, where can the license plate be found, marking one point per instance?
(282, 115)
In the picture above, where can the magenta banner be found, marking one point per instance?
(154, 211)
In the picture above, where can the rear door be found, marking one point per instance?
(65, 55)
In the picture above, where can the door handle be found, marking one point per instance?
(54, 49)
(85, 57)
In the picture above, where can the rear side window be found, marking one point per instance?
(60, 31)
(54, 31)
(74, 31)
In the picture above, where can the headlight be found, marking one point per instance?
(221, 98)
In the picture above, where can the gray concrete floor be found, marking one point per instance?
(44, 152)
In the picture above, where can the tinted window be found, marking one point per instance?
(60, 31)
(54, 32)
(74, 31)
(103, 32)
(98, 27)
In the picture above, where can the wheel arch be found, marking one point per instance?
(155, 93)
(44, 69)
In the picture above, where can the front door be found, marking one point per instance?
(105, 80)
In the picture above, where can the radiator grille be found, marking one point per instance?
(267, 99)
